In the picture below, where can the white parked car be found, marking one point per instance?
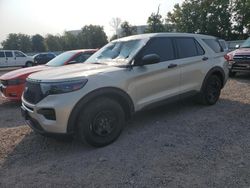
(127, 75)
(15, 58)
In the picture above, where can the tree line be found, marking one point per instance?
(90, 36)
(226, 19)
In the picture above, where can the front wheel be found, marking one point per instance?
(211, 91)
(100, 122)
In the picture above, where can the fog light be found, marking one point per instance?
(48, 113)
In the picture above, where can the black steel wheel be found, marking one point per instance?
(211, 91)
(100, 122)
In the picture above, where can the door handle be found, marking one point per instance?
(204, 58)
(172, 66)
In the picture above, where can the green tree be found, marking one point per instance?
(11, 42)
(113, 37)
(38, 43)
(92, 36)
(127, 29)
(69, 41)
(18, 42)
(202, 16)
(155, 23)
(241, 17)
(53, 42)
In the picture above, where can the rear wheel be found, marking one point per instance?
(100, 122)
(211, 91)
(29, 64)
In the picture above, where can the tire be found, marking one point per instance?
(100, 122)
(29, 64)
(211, 90)
(232, 74)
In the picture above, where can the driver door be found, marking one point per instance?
(156, 82)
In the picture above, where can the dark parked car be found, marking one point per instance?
(43, 58)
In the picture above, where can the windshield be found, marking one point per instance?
(61, 59)
(246, 44)
(117, 52)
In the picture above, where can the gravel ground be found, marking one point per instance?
(177, 145)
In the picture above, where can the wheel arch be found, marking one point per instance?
(113, 93)
(218, 71)
(29, 61)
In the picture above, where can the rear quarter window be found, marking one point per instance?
(214, 45)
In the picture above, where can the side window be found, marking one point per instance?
(161, 46)
(80, 58)
(8, 54)
(187, 47)
(214, 45)
(2, 54)
(200, 50)
(50, 56)
(19, 54)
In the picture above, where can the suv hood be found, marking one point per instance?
(241, 51)
(71, 72)
(23, 71)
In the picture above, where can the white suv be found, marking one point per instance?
(94, 99)
(14, 58)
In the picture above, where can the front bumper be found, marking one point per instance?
(241, 66)
(62, 107)
(12, 92)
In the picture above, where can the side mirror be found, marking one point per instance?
(150, 59)
(237, 46)
(71, 62)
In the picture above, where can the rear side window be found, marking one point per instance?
(2, 54)
(188, 47)
(8, 54)
(160, 46)
(214, 45)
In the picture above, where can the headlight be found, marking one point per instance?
(52, 88)
(15, 82)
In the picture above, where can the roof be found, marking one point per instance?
(151, 35)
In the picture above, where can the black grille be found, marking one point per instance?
(241, 58)
(32, 92)
(4, 82)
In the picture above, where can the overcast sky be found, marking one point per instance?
(55, 16)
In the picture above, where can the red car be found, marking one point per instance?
(12, 83)
(239, 60)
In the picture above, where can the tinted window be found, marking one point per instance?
(50, 55)
(2, 54)
(8, 54)
(186, 47)
(160, 46)
(200, 50)
(213, 44)
(81, 58)
(19, 54)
